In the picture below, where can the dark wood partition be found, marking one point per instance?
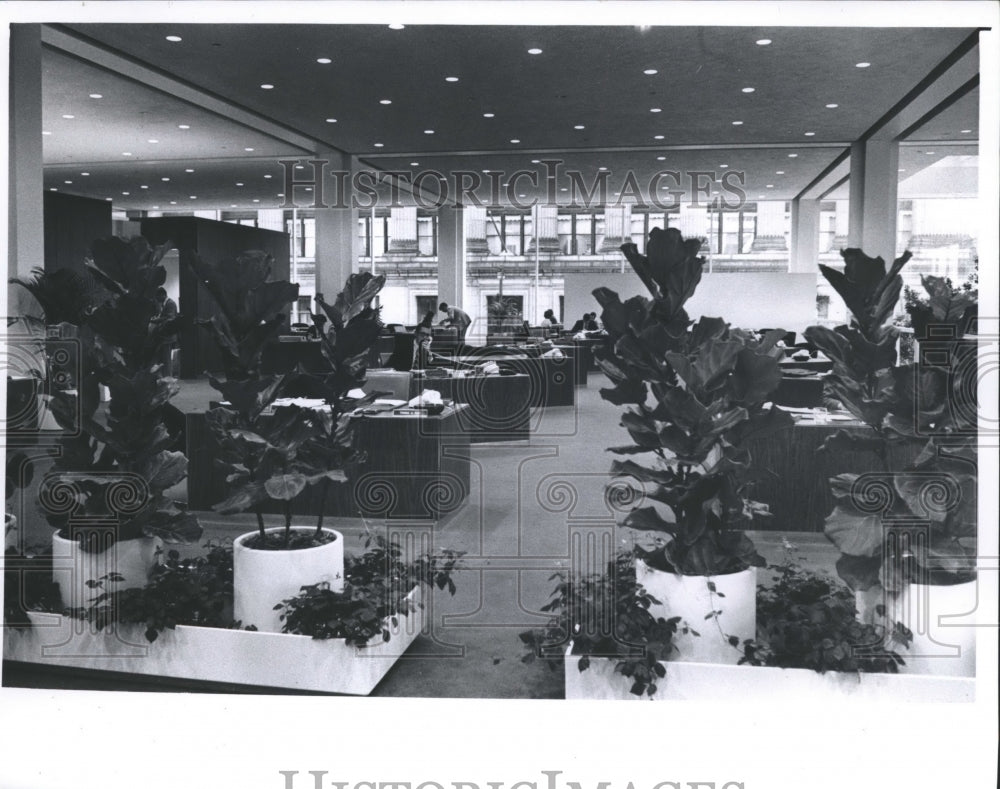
(71, 224)
(212, 241)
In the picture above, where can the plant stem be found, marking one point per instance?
(260, 522)
(288, 522)
(322, 507)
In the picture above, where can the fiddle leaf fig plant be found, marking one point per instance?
(922, 429)
(273, 450)
(117, 459)
(697, 393)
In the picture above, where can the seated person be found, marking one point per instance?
(580, 324)
(550, 317)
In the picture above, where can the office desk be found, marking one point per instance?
(498, 405)
(798, 486)
(417, 467)
(551, 380)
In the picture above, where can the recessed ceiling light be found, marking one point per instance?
(862, 64)
(762, 42)
(563, 188)
(396, 26)
(534, 51)
(153, 141)
(232, 205)
(126, 193)
(832, 106)
(281, 194)
(770, 186)
(53, 189)
(193, 197)
(793, 156)
(164, 178)
(536, 161)
(522, 195)
(579, 126)
(84, 173)
(108, 199)
(379, 145)
(126, 153)
(331, 120)
(248, 149)
(661, 158)
(760, 197)
(309, 188)
(96, 96)
(650, 71)
(749, 90)
(144, 187)
(655, 109)
(174, 39)
(737, 123)
(451, 79)
(257, 201)
(602, 168)
(428, 131)
(966, 131)
(723, 165)
(486, 171)
(810, 134)
(902, 170)
(515, 141)
(267, 86)
(69, 117)
(173, 202)
(929, 153)
(268, 175)
(779, 172)
(46, 133)
(188, 170)
(324, 61)
(385, 101)
(67, 182)
(156, 207)
(657, 136)
(414, 164)
(183, 126)
(239, 183)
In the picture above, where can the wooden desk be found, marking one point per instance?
(498, 404)
(417, 467)
(551, 380)
(798, 487)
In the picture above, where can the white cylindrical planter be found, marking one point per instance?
(689, 597)
(942, 620)
(72, 567)
(262, 579)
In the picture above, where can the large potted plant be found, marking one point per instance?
(696, 395)
(107, 491)
(907, 531)
(274, 450)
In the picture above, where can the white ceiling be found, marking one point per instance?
(589, 76)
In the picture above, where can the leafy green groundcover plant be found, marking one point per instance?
(697, 395)
(117, 462)
(606, 615)
(809, 620)
(804, 620)
(922, 429)
(199, 591)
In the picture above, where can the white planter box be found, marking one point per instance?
(242, 657)
(728, 683)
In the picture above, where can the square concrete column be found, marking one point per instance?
(805, 236)
(338, 245)
(25, 216)
(873, 181)
(451, 256)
